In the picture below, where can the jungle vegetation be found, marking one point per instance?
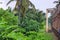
(31, 23)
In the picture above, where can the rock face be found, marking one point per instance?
(56, 18)
(56, 21)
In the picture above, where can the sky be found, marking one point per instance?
(39, 4)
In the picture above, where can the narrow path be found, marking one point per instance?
(54, 37)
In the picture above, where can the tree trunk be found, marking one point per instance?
(46, 21)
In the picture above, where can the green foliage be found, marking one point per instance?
(31, 25)
(33, 21)
(9, 29)
(8, 22)
(21, 7)
(49, 20)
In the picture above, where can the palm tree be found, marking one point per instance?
(21, 7)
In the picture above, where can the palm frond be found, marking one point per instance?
(10, 1)
(15, 8)
(31, 4)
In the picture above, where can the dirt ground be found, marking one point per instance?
(54, 37)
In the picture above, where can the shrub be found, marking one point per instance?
(30, 29)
